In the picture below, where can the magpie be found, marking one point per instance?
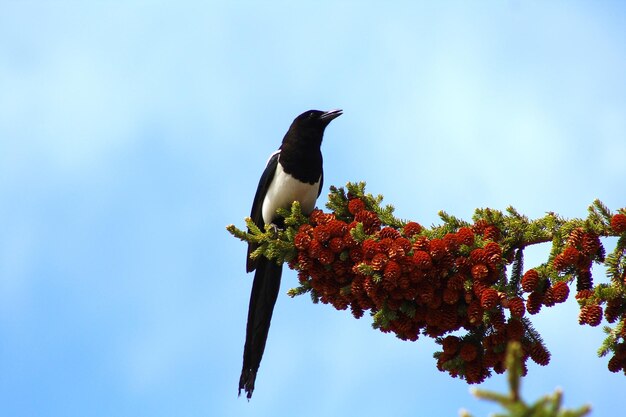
(293, 173)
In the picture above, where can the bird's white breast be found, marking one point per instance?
(284, 190)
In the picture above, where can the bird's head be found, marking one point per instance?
(310, 125)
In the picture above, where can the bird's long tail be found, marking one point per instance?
(262, 299)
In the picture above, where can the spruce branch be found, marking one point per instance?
(463, 283)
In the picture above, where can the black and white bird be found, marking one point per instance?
(293, 173)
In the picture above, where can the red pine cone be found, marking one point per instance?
(397, 249)
(493, 251)
(450, 344)
(379, 261)
(356, 205)
(534, 302)
(392, 271)
(411, 229)
(468, 352)
(451, 296)
(548, 297)
(497, 320)
(475, 373)
(489, 298)
(357, 310)
(437, 249)
(615, 364)
(356, 255)
(514, 329)
(478, 256)
(591, 315)
(389, 232)
(559, 263)
(575, 237)
(421, 243)
(371, 222)
(348, 240)
(422, 259)
(478, 288)
(314, 249)
(384, 245)
(301, 241)
(465, 236)
(560, 292)
(321, 233)
(456, 282)
(337, 228)
(479, 226)
(584, 280)
(517, 307)
(318, 217)
(480, 272)
(341, 268)
(590, 244)
(618, 223)
(491, 233)
(530, 279)
(570, 255)
(584, 263)
(404, 282)
(539, 354)
(613, 309)
(474, 313)
(306, 228)
(369, 248)
(326, 256)
(451, 242)
(336, 244)
(403, 243)
(462, 264)
(490, 359)
(584, 294)
(304, 261)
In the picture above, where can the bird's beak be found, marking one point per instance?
(330, 115)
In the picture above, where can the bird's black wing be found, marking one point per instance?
(257, 205)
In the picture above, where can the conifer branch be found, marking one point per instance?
(452, 277)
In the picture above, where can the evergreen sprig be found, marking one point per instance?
(453, 276)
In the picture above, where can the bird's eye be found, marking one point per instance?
(311, 115)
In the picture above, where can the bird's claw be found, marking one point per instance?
(274, 230)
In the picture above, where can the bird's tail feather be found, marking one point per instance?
(262, 299)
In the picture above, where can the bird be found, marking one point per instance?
(293, 173)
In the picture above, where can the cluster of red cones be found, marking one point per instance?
(417, 285)
(453, 286)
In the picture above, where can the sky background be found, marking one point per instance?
(132, 133)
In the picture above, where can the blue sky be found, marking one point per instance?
(132, 133)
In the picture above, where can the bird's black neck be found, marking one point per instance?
(301, 159)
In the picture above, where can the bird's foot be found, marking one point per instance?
(275, 229)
